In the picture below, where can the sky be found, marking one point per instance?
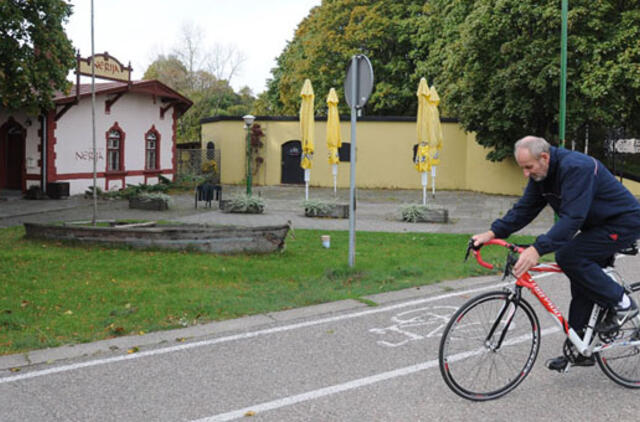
(137, 31)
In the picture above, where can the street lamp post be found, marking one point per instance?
(248, 121)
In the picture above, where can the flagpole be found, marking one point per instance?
(93, 121)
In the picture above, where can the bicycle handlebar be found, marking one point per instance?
(545, 268)
(476, 250)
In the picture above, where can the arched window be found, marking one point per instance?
(115, 149)
(152, 149)
(211, 150)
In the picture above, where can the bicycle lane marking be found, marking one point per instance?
(350, 385)
(244, 336)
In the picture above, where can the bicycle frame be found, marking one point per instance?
(582, 344)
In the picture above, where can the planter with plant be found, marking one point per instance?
(244, 204)
(150, 201)
(325, 209)
(422, 214)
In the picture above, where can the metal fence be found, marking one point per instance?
(198, 162)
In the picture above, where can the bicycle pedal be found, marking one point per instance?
(558, 364)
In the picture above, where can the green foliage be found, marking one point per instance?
(35, 53)
(497, 66)
(130, 191)
(210, 96)
(324, 43)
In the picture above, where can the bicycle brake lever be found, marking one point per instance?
(511, 260)
(469, 248)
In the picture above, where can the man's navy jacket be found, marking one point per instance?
(582, 192)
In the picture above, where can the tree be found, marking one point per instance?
(333, 32)
(497, 66)
(224, 61)
(170, 71)
(35, 53)
(210, 95)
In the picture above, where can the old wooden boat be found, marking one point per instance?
(213, 239)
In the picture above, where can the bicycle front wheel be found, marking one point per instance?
(621, 361)
(489, 346)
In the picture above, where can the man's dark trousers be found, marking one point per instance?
(582, 260)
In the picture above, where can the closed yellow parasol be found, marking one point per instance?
(435, 131)
(334, 140)
(423, 120)
(306, 131)
(307, 124)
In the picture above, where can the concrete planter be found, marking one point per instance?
(328, 211)
(226, 205)
(422, 214)
(153, 204)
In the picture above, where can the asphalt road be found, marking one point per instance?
(343, 362)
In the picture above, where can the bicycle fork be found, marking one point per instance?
(505, 316)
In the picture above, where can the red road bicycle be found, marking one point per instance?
(491, 342)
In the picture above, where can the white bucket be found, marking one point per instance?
(326, 240)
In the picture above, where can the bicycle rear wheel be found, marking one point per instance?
(471, 362)
(622, 363)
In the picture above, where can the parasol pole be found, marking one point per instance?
(334, 171)
(433, 181)
(307, 176)
(425, 178)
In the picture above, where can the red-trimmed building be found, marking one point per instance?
(135, 138)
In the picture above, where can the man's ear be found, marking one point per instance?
(545, 156)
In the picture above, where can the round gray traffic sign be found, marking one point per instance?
(359, 81)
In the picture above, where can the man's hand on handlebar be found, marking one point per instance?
(480, 238)
(528, 259)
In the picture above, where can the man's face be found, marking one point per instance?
(536, 169)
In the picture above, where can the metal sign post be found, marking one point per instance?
(357, 88)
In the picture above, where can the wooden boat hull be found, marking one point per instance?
(219, 240)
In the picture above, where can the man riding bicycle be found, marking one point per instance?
(597, 217)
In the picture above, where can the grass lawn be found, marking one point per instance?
(53, 294)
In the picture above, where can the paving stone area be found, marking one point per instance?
(376, 210)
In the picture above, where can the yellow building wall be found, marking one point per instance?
(384, 153)
(384, 157)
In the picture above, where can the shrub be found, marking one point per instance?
(245, 203)
(414, 213)
(316, 208)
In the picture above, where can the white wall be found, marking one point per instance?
(135, 115)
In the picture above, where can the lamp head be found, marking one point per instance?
(248, 120)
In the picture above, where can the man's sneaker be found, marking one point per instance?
(561, 363)
(616, 317)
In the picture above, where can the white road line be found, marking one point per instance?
(244, 336)
(350, 385)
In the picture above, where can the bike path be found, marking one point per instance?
(364, 363)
